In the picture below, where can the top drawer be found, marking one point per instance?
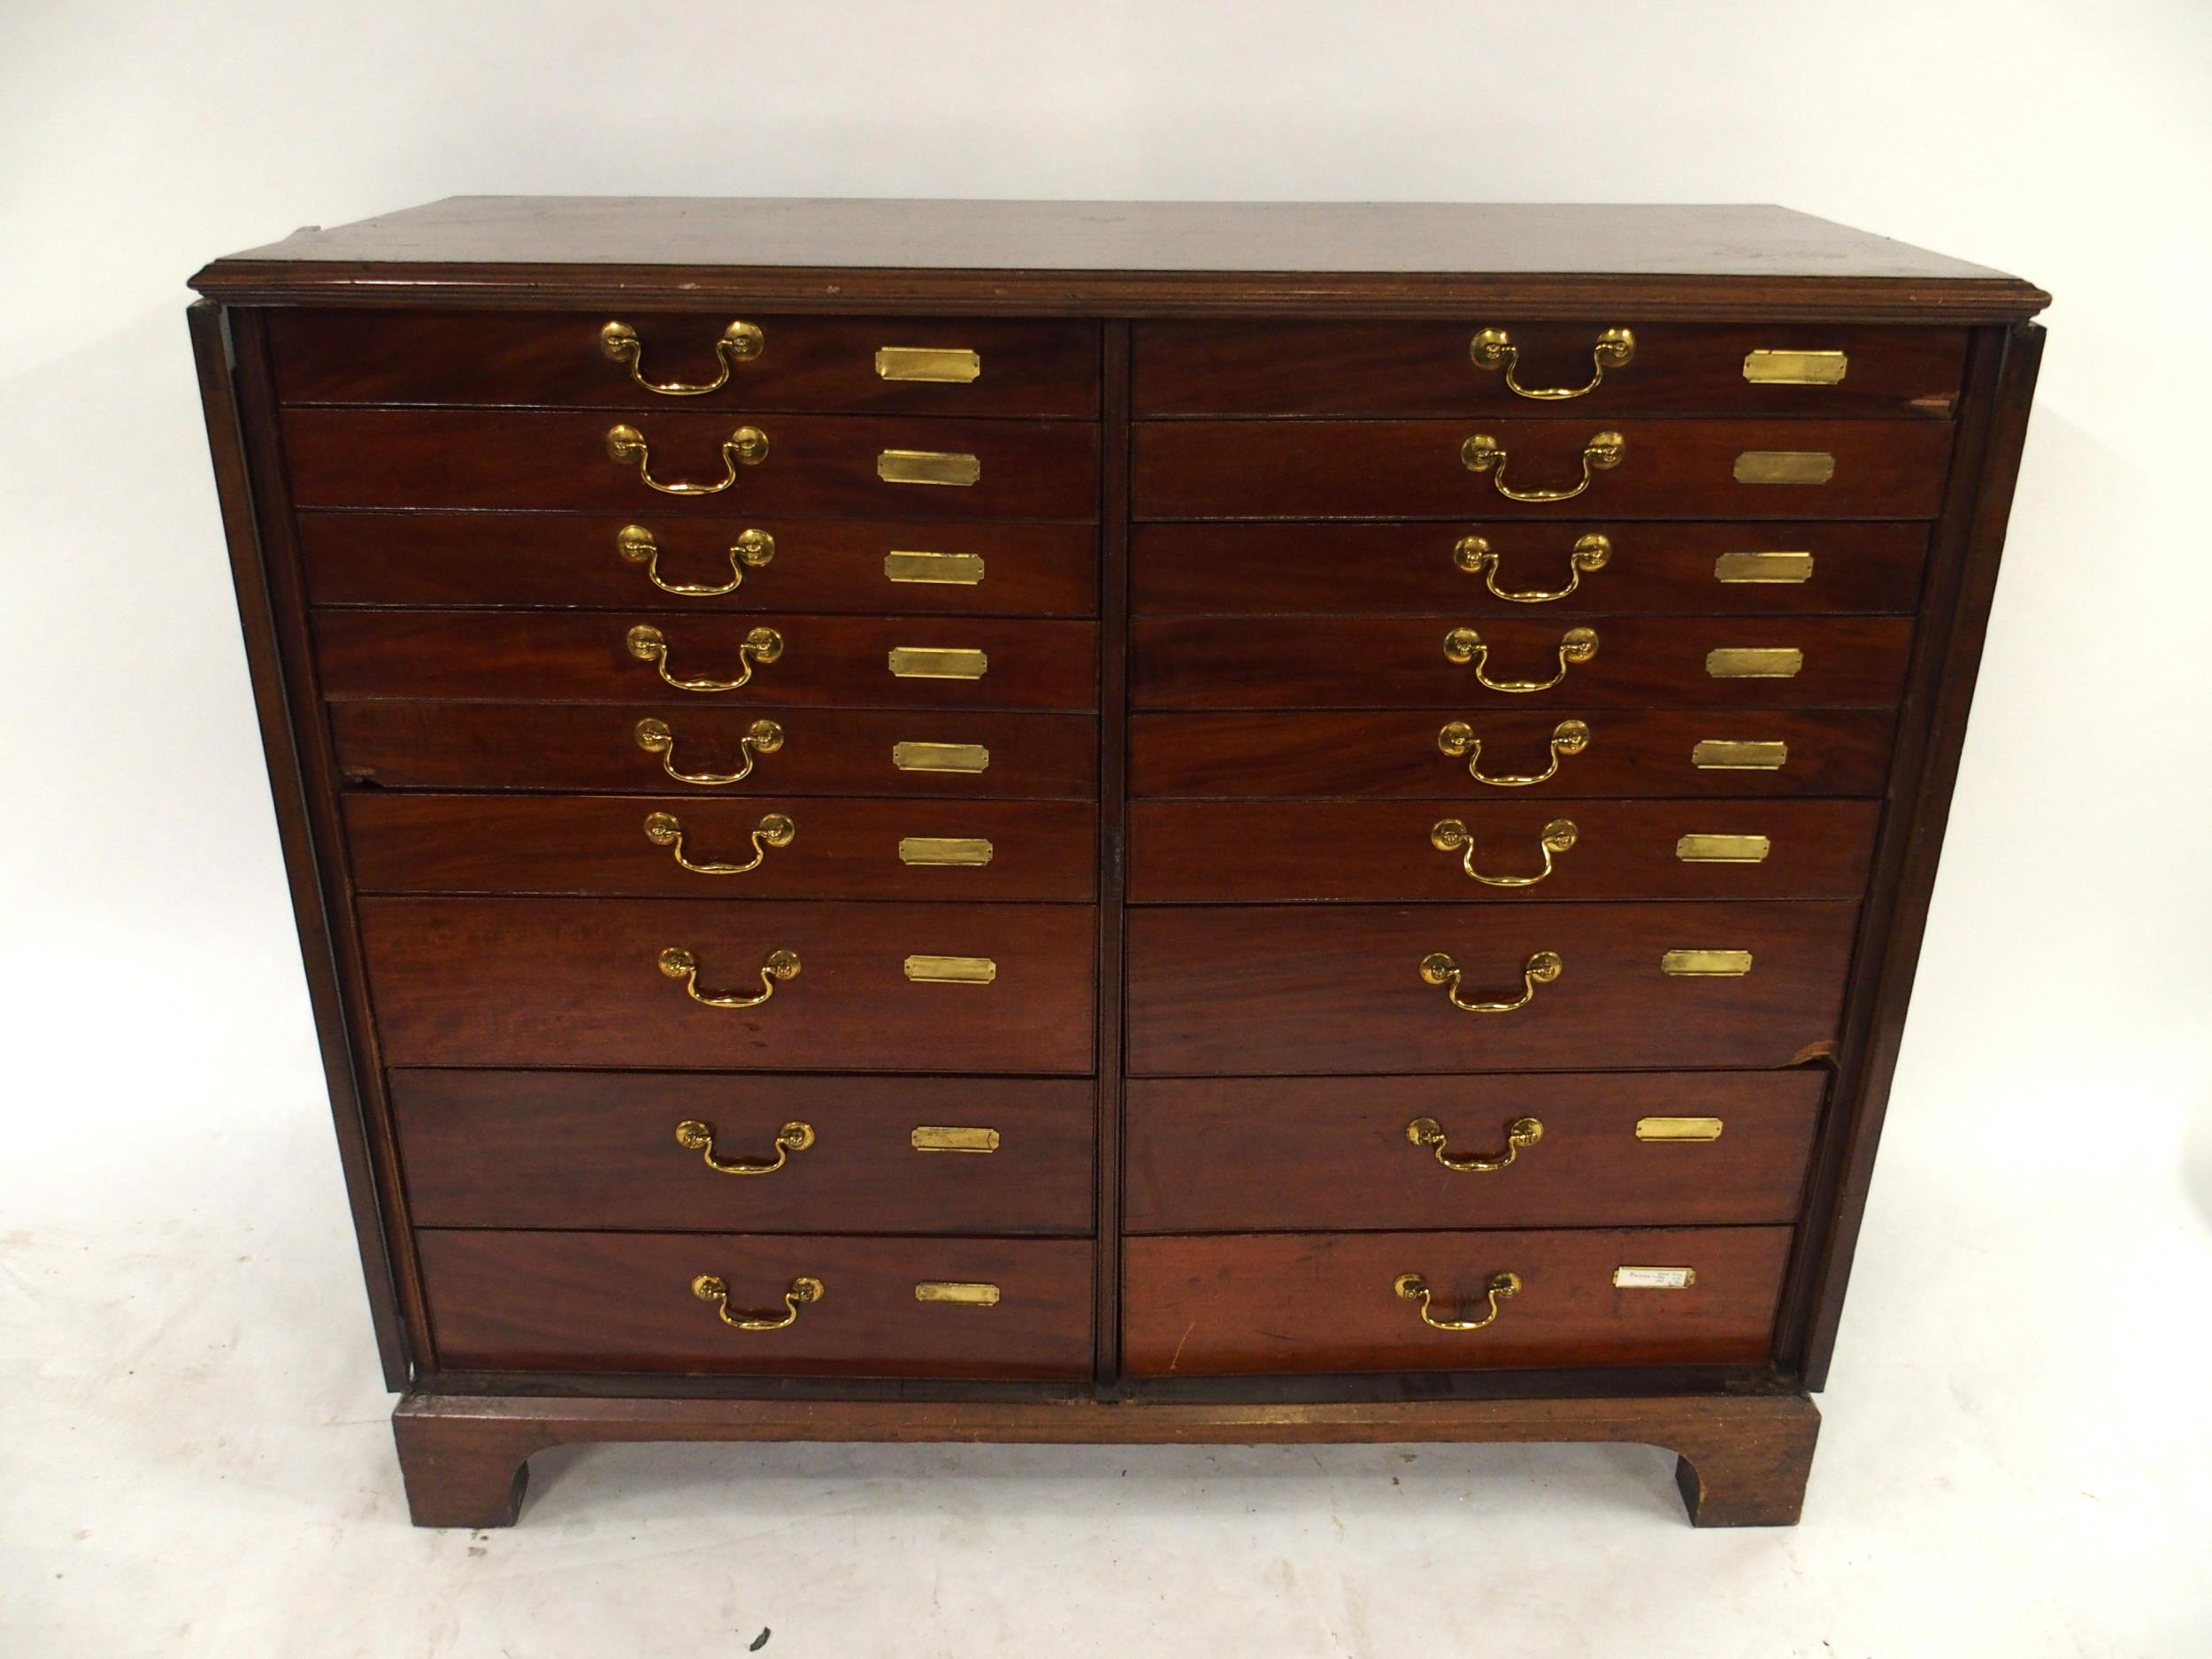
(1500, 367)
(698, 360)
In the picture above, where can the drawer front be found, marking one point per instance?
(615, 561)
(670, 1151)
(582, 982)
(578, 656)
(828, 465)
(1417, 468)
(624, 1302)
(766, 845)
(1504, 850)
(1346, 1154)
(1608, 662)
(1272, 990)
(1480, 569)
(1427, 753)
(1422, 368)
(1324, 1302)
(818, 751)
(976, 366)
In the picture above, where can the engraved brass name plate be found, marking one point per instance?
(941, 1138)
(1678, 1128)
(1654, 1278)
(941, 757)
(962, 969)
(943, 849)
(1795, 368)
(948, 365)
(1718, 753)
(1750, 661)
(1762, 567)
(1723, 849)
(1783, 466)
(934, 466)
(1706, 964)
(916, 661)
(949, 570)
(951, 1290)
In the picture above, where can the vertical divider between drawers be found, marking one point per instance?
(1113, 726)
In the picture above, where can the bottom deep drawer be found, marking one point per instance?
(747, 1304)
(1240, 1304)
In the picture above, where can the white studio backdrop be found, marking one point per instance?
(2015, 1386)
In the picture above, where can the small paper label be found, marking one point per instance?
(1654, 1278)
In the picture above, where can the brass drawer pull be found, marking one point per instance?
(665, 829)
(804, 1289)
(647, 644)
(763, 737)
(1540, 969)
(1520, 1134)
(1494, 348)
(752, 549)
(1457, 738)
(1450, 835)
(1473, 554)
(747, 446)
(679, 964)
(740, 342)
(1483, 453)
(1413, 1287)
(694, 1136)
(1465, 645)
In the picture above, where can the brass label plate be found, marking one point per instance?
(921, 662)
(1795, 368)
(1720, 754)
(1763, 568)
(1678, 1128)
(944, 1138)
(955, 970)
(1723, 849)
(973, 1296)
(1706, 964)
(944, 849)
(1654, 1278)
(941, 757)
(944, 364)
(946, 570)
(1755, 662)
(1784, 466)
(927, 466)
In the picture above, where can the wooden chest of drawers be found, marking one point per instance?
(1098, 822)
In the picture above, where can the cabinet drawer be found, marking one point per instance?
(1323, 1303)
(1417, 468)
(873, 1155)
(1424, 368)
(879, 987)
(1236, 1154)
(1450, 751)
(976, 366)
(615, 561)
(827, 464)
(578, 657)
(1448, 850)
(624, 1302)
(1469, 569)
(1606, 661)
(653, 846)
(1341, 989)
(818, 751)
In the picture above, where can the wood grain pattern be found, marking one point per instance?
(1300, 1154)
(597, 1149)
(1321, 990)
(1233, 1304)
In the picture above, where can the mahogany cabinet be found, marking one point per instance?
(1092, 822)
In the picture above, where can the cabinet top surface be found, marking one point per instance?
(1098, 256)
